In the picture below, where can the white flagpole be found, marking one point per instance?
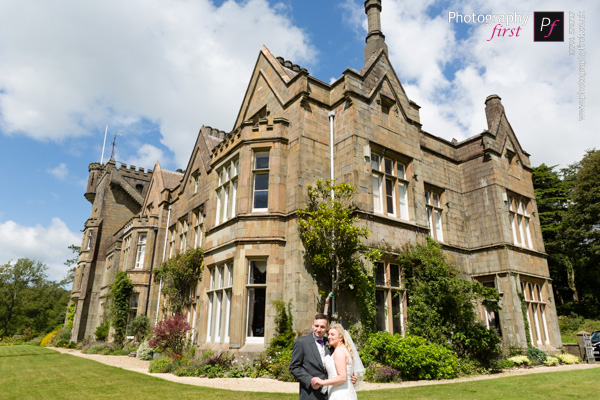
(104, 144)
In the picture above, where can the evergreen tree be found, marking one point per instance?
(552, 194)
(581, 231)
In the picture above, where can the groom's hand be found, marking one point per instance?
(353, 379)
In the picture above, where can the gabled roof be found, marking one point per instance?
(208, 138)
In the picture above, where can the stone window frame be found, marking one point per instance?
(198, 228)
(389, 184)
(251, 289)
(533, 291)
(389, 297)
(490, 317)
(226, 191)
(435, 213)
(140, 249)
(219, 298)
(134, 305)
(519, 219)
(172, 235)
(183, 234)
(126, 250)
(258, 170)
(192, 311)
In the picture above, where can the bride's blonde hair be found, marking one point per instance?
(344, 336)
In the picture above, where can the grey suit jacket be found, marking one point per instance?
(305, 364)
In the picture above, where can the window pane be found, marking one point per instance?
(389, 166)
(397, 317)
(438, 226)
(401, 171)
(261, 199)
(376, 182)
(379, 274)
(257, 273)
(402, 197)
(221, 277)
(389, 195)
(381, 317)
(261, 181)
(428, 197)
(375, 161)
(436, 199)
(261, 161)
(395, 275)
(256, 312)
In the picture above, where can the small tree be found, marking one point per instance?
(169, 335)
(333, 244)
(177, 274)
(120, 297)
(441, 305)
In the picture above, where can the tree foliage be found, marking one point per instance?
(553, 196)
(581, 230)
(441, 305)
(120, 298)
(333, 244)
(177, 274)
(28, 300)
(72, 264)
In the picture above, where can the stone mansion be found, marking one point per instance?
(238, 199)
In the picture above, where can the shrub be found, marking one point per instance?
(520, 361)
(144, 352)
(442, 305)
(139, 327)
(411, 355)
(161, 365)
(169, 335)
(46, 340)
(551, 361)
(382, 374)
(62, 337)
(101, 332)
(106, 349)
(568, 359)
(536, 355)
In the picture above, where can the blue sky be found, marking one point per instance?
(157, 70)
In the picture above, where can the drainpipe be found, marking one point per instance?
(151, 268)
(331, 116)
(163, 260)
(332, 176)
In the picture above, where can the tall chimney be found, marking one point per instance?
(375, 39)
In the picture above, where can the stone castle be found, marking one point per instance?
(239, 194)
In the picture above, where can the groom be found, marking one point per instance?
(308, 359)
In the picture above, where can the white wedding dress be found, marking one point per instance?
(344, 391)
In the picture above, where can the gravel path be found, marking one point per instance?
(271, 385)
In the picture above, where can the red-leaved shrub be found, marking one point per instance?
(169, 335)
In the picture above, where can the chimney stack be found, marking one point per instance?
(375, 39)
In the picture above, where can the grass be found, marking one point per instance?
(28, 372)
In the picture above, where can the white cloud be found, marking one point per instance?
(178, 64)
(147, 155)
(46, 244)
(60, 172)
(536, 81)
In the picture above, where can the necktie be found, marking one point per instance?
(320, 341)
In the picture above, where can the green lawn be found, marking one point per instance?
(36, 373)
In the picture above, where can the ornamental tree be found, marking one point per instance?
(333, 244)
(169, 335)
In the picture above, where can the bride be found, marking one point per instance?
(340, 365)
